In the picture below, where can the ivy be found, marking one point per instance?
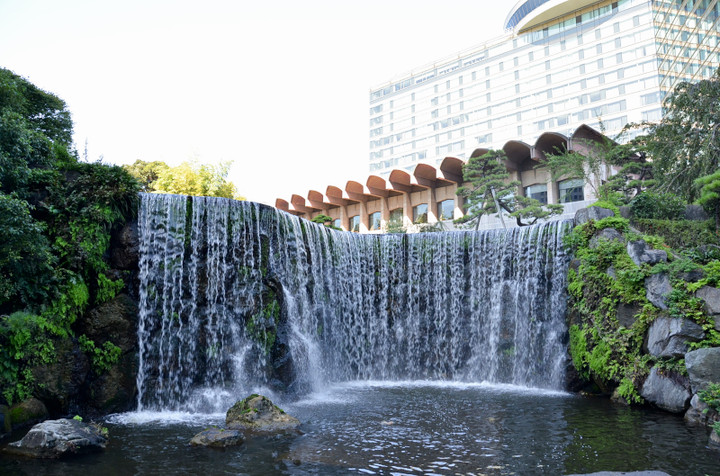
(102, 359)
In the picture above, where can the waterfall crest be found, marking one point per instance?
(237, 295)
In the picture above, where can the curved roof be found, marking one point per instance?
(529, 13)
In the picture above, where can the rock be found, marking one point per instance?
(700, 413)
(611, 272)
(714, 440)
(114, 321)
(627, 314)
(584, 215)
(692, 276)
(257, 413)
(711, 296)
(668, 337)
(217, 438)
(670, 394)
(657, 288)
(125, 248)
(608, 234)
(27, 413)
(626, 212)
(5, 422)
(640, 252)
(623, 473)
(60, 382)
(696, 213)
(58, 438)
(703, 366)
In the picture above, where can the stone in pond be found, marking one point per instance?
(217, 438)
(58, 438)
(258, 414)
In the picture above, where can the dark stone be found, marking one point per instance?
(700, 413)
(584, 215)
(640, 252)
(668, 337)
(714, 440)
(626, 212)
(611, 272)
(657, 288)
(217, 438)
(27, 413)
(696, 213)
(58, 438)
(627, 314)
(623, 473)
(711, 296)
(703, 366)
(670, 394)
(125, 248)
(258, 414)
(5, 421)
(59, 383)
(114, 321)
(575, 264)
(692, 276)
(607, 234)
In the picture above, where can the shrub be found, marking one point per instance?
(659, 206)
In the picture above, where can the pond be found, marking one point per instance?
(410, 428)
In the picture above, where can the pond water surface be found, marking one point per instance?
(409, 428)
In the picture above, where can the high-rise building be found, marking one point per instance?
(561, 64)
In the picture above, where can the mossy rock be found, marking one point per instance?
(257, 413)
(27, 413)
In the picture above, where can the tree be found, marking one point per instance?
(685, 144)
(710, 195)
(146, 172)
(191, 178)
(491, 189)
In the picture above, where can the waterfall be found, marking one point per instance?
(235, 296)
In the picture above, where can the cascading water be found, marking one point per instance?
(236, 295)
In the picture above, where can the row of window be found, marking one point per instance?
(570, 191)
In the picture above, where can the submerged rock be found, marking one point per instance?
(217, 438)
(257, 413)
(58, 438)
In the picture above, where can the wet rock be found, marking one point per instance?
(714, 440)
(622, 473)
(27, 412)
(703, 366)
(607, 234)
(670, 394)
(592, 213)
(59, 438)
(125, 248)
(217, 438)
(640, 252)
(114, 321)
(711, 296)
(696, 213)
(668, 337)
(258, 414)
(657, 288)
(59, 383)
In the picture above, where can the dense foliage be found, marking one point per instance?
(188, 178)
(56, 216)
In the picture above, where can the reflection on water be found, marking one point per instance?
(411, 428)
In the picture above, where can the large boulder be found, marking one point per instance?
(217, 438)
(703, 366)
(640, 252)
(696, 213)
(258, 414)
(27, 412)
(657, 289)
(711, 297)
(584, 215)
(671, 393)
(627, 314)
(58, 438)
(125, 248)
(668, 337)
(700, 412)
(59, 383)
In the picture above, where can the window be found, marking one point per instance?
(396, 216)
(537, 191)
(336, 223)
(420, 213)
(355, 223)
(374, 219)
(571, 190)
(446, 210)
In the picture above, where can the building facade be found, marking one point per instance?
(561, 64)
(428, 194)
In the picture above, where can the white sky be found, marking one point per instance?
(281, 88)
